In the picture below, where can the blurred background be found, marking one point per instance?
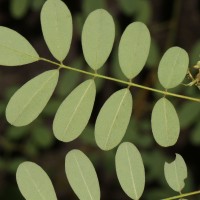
(171, 23)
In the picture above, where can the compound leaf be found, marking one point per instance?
(98, 38)
(134, 49)
(82, 176)
(113, 119)
(28, 102)
(130, 170)
(173, 67)
(176, 173)
(34, 183)
(15, 49)
(74, 113)
(56, 21)
(165, 123)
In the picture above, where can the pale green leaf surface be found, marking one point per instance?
(173, 67)
(130, 170)
(165, 123)
(56, 21)
(97, 38)
(113, 119)
(74, 113)
(134, 49)
(34, 183)
(176, 173)
(15, 49)
(82, 175)
(29, 101)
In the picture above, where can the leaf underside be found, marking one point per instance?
(15, 49)
(176, 173)
(165, 123)
(113, 119)
(75, 111)
(130, 170)
(34, 183)
(82, 176)
(56, 21)
(97, 38)
(29, 101)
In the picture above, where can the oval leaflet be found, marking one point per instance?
(77, 107)
(56, 21)
(165, 123)
(130, 170)
(34, 183)
(134, 49)
(173, 67)
(97, 38)
(15, 49)
(176, 173)
(29, 101)
(113, 119)
(82, 176)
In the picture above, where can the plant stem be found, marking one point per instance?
(183, 195)
(130, 84)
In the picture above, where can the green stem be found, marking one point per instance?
(165, 93)
(183, 195)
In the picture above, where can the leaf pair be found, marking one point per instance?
(35, 184)
(56, 24)
(171, 72)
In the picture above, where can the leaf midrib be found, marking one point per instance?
(112, 124)
(76, 108)
(34, 94)
(22, 54)
(83, 178)
(170, 77)
(132, 178)
(34, 183)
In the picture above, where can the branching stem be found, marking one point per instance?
(130, 84)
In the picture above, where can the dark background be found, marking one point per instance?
(171, 23)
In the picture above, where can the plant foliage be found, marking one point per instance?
(74, 113)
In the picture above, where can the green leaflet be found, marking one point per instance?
(82, 176)
(134, 49)
(165, 123)
(56, 21)
(113, 119)
(97, 38)
(176, 173)
(74, 113)
(129, 7)
(173, 67)
(34, 183)
(28, 102)
(15, 49)
(19, 8)
(130, 170)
